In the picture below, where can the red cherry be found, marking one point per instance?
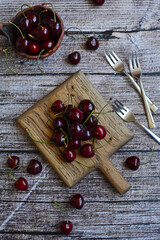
(87, 135)
(86, 106)
(41, 33)
(92, 43)
(58, 138)
(59, 123)
(75, 115)
(21, 184)
(33, 48)
(55, 29)
(25, 24)
(46, 20)
(74, 58)
(99, 2)
(66, 227)
(133, 162)
(67, 110)
(34, 18)
(48, 45)
(13, 161)
(76, 130)
(58, 106)
(87, 150)
(34, 167)
(69, 155)
(99, 132)
(77, 201)
(22, 44)
(74, 144)
(91, 122)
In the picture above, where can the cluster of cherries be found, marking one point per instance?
(34, 167)
(37, 33)
(76, 124)
(77, 201)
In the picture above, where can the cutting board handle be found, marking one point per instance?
(114, 177)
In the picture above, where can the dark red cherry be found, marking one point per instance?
(33, 48)
(133, 162)
(86, 106)
(99, 132)
(34, 18)
(55, 29)
(87, 150)
(41, 33)
(75, 115)
(46, 20)
(48, 45)
(74, 58)
(22, 44)
(66, 227)
(99, 2)
(74, 144)
(59, 122)
(34, 167)
(58, 138)
(91, 122)
(92, 43)
(87, 135)
(58, 106)
(13, 161)
(21, 184)
(67, 110)
(69, 155)
(76, 130)
(25, 25)
(77, 201)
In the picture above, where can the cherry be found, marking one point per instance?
(66, 227)
(58, 138)
(74, 58)
(34, 167)
(46, 20)
(13, 161)
(99, 132)
(59, 123)
(48, 45)
(91, 122)
(33, 48)
(21, 184)
(22, 44)
(133, 162)
(68, 108)
(41, 33)
(58, 106)
(87, 135)
(74, 144)
(87, 150)
(99, 2)
(75, 115)
(69, 155)
(25, 24)
(34, 18)
(77, 201)
(55, 29)
(92, 43)
(86, 106)
(77, 131)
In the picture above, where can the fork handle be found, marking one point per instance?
(154, 136)
(153, 107)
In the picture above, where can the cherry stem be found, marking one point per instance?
(38, 60)
(60, 207)
(36, 139)
(52, 9)
(32, 36)
(23, 10)
(87, 118)
(103, 108)
(66, 137)
(68, 35)
(79, 30)
(66, 122)
(41, 14)
(104, 112)
(9, 175)
(108, 142)
(18, 29)
(13, 169)
(150, 158)
(5, 51)
(85, 164)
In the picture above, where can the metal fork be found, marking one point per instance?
(128, 116)
(135, 69)
(117, 64)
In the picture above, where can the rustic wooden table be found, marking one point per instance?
(123, 26)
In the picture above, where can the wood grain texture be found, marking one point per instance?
(124, 26)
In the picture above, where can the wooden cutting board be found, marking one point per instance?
(35, 121)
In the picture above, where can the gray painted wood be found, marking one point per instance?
(124, 26)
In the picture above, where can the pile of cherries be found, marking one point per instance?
(35, 33)
(76, 124)
(34, 167)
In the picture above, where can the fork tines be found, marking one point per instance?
(119, 107)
